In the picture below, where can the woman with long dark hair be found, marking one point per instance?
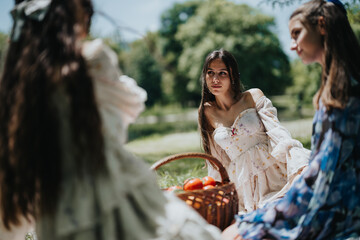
(64, 111)
(242, 130)
(324, 203)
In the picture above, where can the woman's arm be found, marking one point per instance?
(231, 233)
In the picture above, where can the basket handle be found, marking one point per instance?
(224, 175)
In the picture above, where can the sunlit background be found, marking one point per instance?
(164, 53)
(136, 17)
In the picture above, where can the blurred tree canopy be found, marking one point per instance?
(3, 47)
(306, 81)
(191, 30)
(140, 64)
(174, 82)
(168, 63)
(241, 30)
(354, 18)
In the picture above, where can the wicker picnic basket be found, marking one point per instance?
(217, 205)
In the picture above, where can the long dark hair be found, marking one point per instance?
(342, 52)
(44, 88)
(230, 62)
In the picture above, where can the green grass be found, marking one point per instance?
(175, 173)
(139, 131)
(156, 147)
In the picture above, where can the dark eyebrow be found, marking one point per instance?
(223, 69)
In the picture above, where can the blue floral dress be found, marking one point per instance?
(325, 202)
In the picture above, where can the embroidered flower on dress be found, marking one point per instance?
(233, 132)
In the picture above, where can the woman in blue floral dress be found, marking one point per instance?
(325, 202)
(64, 112)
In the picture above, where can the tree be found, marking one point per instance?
(139, 63)
(243, 31)
(354, 18)
(174, 82)
(306, 80)
(3, 48)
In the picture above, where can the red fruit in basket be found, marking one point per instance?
(193, 184)
(209, 181)
(208, 187)
(173, 188)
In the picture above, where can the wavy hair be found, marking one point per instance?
(231, 64)
(342, 52)
(44, 88)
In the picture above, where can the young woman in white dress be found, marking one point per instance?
(242, 130)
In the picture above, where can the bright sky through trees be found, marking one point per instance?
(136, 17)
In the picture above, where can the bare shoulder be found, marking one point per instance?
(210, 112)
(256, 93)
(208, 109)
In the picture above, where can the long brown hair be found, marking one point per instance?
(46, 86)
(342, 52)
(230, 62)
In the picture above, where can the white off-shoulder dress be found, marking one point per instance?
(259, 154)
(126, 203)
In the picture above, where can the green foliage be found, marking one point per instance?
(243, 31)
(3, 47)
(170, 22)
(306, 142)
(140, 64)
(175, 82)
(354, 18)
(163, 119)
(306, 80)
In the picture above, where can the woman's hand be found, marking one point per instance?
(231, 233)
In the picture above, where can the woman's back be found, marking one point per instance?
(78, 181)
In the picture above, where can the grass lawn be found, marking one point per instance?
(154, 148)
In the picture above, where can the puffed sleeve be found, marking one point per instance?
(281, 145)
(114, 91)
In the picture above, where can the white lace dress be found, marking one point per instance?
(261, 157)
(126, 203)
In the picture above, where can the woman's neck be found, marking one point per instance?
(225, 102)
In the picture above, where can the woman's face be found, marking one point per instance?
(307, 42)
(218, 78)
